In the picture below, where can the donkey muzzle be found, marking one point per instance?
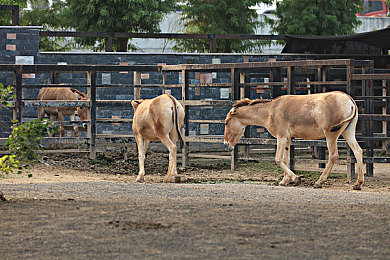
(228, 146)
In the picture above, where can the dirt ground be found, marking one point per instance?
(113, 167)
(77, 208)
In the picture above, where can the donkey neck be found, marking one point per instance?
(257, 114)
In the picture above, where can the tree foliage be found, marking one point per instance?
(316, 17)
(220, 17)
(51, 18)
(96, 16)
(115, 16)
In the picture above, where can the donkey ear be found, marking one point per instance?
(135, 104)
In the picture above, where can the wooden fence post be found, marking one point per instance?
(15, 15)
(245, 93)
(17, 110)
(350, 91)
(137, 81)
(321, 150)
(235, 77)
(387, 113)
(91, 90)
(185, 95)
(291, 91)
(108, 44)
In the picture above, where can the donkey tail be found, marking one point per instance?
(348, 119)
(175, 120)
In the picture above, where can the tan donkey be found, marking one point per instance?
(60, 112)
(158, 119)
(313, 116)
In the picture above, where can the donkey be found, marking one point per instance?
(158, 119)
(61, 112)
(312, 116)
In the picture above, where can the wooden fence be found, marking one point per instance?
(246, 79)
(92, 104)
(310, 75)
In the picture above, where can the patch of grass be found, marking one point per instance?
(271, 167)
(316, 175)
(101, 161)
(262, 166)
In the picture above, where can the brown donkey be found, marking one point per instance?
(313, 116)
(158, 119)
(61, 112)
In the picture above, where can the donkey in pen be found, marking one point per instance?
(313, 116)
(158, 119)
(60, 112)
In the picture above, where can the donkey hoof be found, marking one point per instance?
(139, 180)
(297, 181)
(317, 186)
(282, 184)
(168, 180)
(356, 187)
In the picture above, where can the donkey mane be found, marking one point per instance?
(248, 102)
(81, 94)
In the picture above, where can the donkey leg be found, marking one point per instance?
(41, 113)
(331, 142)
(172, 158)
(52, 118)
(75, 126)
(286, 159)
(142, 145)
(280, 149)
(61, 118)
(349, 136)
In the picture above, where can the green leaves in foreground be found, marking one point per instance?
(24, 144)
(6, 96)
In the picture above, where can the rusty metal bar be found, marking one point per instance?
(44, 68)
(56, 103)
(272, 64)
(15, 13)
(370, 76)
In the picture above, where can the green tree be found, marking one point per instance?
(51, 18)
(316, 17)
(115, 16)
(96, 16)
(220, 17)
(41, 13)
